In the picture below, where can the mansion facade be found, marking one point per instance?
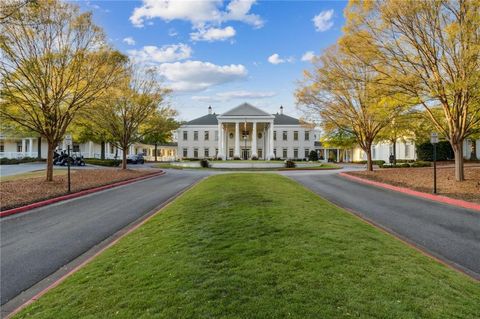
(247, 132)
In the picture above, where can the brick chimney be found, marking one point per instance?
(281, 109)
(210, 109)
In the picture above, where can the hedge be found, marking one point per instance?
(444, 151)
(375, 162)
(405, 165)
(104, 162)
(13, 161)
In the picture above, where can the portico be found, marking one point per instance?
(251, 131)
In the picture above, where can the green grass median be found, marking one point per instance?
(259, 246)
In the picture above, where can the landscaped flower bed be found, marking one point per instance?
(21, 192)
(421, 179)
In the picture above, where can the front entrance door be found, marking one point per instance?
(245, 153)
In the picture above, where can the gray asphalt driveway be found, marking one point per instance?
(38, 243)
(449, 233)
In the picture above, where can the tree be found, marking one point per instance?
(159, 126)
(126, 108)
(313, 156)
(54, 62)
(345, 94)
(400, 128)
(430, 50)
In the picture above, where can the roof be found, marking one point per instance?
(282, 119)
(209, 119)
(245, 109)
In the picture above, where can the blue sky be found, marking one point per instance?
(223, 53)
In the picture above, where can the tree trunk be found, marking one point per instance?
(473, 155)
(50, 161)
(155, 152)
(124, 159)
(102, 151)
(39, 148)
(369, 160)
(458, 151)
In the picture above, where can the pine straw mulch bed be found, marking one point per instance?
(21, 192)
(421, 179)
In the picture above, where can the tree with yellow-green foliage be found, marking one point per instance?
(428, 50)
(344, 92)
(54, 61)
(124, 112)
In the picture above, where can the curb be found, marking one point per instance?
(46, 202)
(436, 198)
(115, 238)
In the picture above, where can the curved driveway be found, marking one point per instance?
(38, 243)
(447, 232)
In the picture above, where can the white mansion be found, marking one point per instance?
(247, 132)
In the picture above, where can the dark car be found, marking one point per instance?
(135, 159)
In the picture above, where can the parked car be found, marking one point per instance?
(135, 159)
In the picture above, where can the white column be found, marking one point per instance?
(90, 149)
(237, 140)
(23, 147)
(271, 155)
(30, 148)
(254, 139)
(221, 155)
(338, 155)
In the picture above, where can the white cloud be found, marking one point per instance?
(172, 32)
(198, 13)
(230, 95)
(198, 75)
(323, 20)
(213, 34)
(129, 41)
(168, 53)
(308, 56)
(276, 59)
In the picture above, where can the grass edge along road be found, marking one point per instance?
(262, 247)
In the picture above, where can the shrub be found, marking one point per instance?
(13, 161)
(290, 164)
(254, 158)
(421, 164)
(104, 162)
(236, 158)
(313, 156)
(444, 151)
(375, 162)
(204, 163)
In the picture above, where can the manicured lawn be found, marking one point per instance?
(259, 246)
(317, 167)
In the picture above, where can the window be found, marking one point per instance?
(195, 135)
(230, 152)
(2, 147)
(274, 135)
(295, 153)
(307, 135)
(216, 135)
(216, 152)
(207, 135)
(19, 146)
(295, 135)
(75, 147)
(259, 153)
(195, 153)
(275, 152)
(185, 135)
(390, 149)
(407, 150)
(284, 135)
(285, 153)
(206, 152)
(307, 153)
